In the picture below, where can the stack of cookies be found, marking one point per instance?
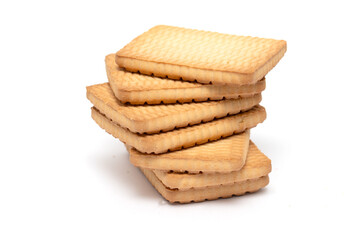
(183, 101)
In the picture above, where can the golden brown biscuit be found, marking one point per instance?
(163, 118)
(208, 193)
(206, 57)
(256, 165)
(225, 155)
(136, 88)
(182, 137)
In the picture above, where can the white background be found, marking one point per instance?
(62, 177)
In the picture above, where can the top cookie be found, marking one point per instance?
(206, 57)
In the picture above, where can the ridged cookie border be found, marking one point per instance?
(178, 120)
(164, 163)
(208, 193)
(170, 141)
(184, 95)
(184, 181)
(207, 76)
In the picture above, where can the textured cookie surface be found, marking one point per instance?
(224, 155)
(189, 54)
(156, 118)
(182, 137)
(208, 193)
(257, 165)
(136, 88)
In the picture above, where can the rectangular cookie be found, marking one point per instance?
(256, 165)
(207, 193)
(136, 88)
(162, 118)
(225, 155)
(182, 137)
(206, 57)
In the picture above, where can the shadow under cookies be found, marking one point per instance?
(115, 163)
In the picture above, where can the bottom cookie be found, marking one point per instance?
(208, 193)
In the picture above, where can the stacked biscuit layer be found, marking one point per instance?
(183, 102)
